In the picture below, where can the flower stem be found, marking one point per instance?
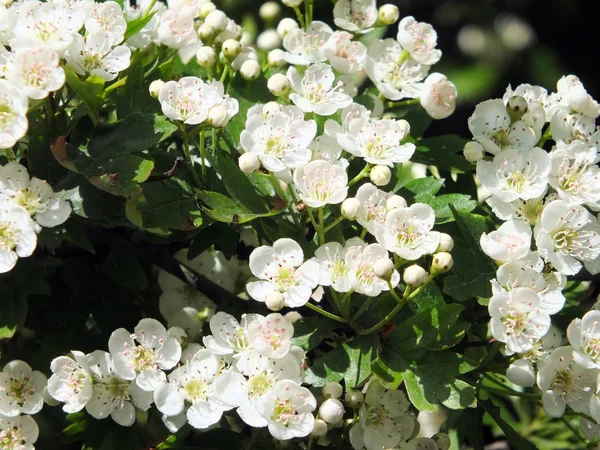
(188, 157)
(326, 313)
(10, 154)
(321, 226)
(333, 224)
(313, 221)
(282, 196)
(363, 173)
(412, 101)
(363, 308)
(224, 74)
(300, 17)
(203, 154)
(508, 392)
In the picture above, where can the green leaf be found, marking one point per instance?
(441, 206)
(444, 152)
(417, 117)
(310, 332)
(424, 188)
(517, 442)
(77, 234)
(90, 91)
(13, 309)
(222, 236)
(224, 209)
(167, 206)
(136, 25)
(351, 362)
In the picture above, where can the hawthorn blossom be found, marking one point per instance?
(143, 355)
(528, 210)
(567, 235)
(315, 92)
(538, 105)
(584, 336)
(344, 54)
(13, 114)
(438, 96)
(108, 17)
(21, 389)
(334, 272)
(18, 433)
(288, 408)
(95, 55)
(360, 259)
(517, 319)
(71, 381)
(338, 131)
(374, 208)
(321, 183)
(281, 268)
(229, 337)
(419, 39)
(510, 242)
(573, 95)
(36, 71)
(327, 148)
(305, 47)
(356, 16)
(176, 30)
(188, 99)
(271, 336)
(17, 234)
(149, 34)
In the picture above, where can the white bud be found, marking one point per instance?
(231, 49)
(333, 390)
(354, 399)
(217, 19)
(384, 269)
(217, 116)
(442, 262)
(286, 25)
(275, 58)
(155, 88)
(319, 428)
(206, 32)
(388, 14)
(206, 9)
(521, 372)
(249, 162)
(331, 410)
(250, 70)
(270, 106)
(442, 440)
(473, 151)
(278, 84)
(404, 126)
(274, 300)
(269, 11)
(292, 316)
(446, 243)
(414, 275)
(395, 201)
(351, 208)
(268, 40)
(380, 175)
(206, 56)
(292, 3)
(517, 107)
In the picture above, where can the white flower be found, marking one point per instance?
(17, 234)
(193, 384)
(280, 138)
(176, 30)
(149, 33)
(573, 94)
(575, 174)
(521, 372)
(548, 286)
(71, 382)
(13, 114)
(229, 337)
(360, 259)
(321, 183)
(584, 336)
(145, 361)
(492, 127)
(21, 389)
(287, 408)
(565, 382)
(510, 242)
(333, 269)
(374, 209)
(536, 114)
(113, 396)
(246, 54)
(384, 419)
(95, 55)
(391, 70)
(515, 174)
(18, 433)
(271, 336)
(34, 195)
(344, 54)
(108, 17)
(188, 99)
(419, 39)
(517, 319)
(339, 131)
(305, 47)
(356, 16)
(281, 268)
(37, 72)
(567, 235)
(315, 91)
(327, 148)
(528, 210)
(408, 232)
(438, 96)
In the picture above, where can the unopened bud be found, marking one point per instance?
(250, 70)
(217, 116)
(395, 201)
(217, 19)
(384, 269)
(268, 40)
(269, 11)
(206, 9)
(388, 14)
(414, 275)
(275, 300)
(404, 126)
(269, 107)
(275, 58)
(319, 428)
(380, 175)
(446, 243)
(351, 208)
(286, 25)
(231, 49)
(206, 32)
(206, 56)
(516, 107)
(155, 88)
(292, 3)
(333, 390)
(331, 410)
(249, 163)
(293, 317)
(473, 151)
(278, 84)
(354, 399)
(442, 262)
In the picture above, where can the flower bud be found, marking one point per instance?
(414, 275)
(446, 243)
(516, 107)
(268, 40)
(395, 201)
(206, 9)
(442, 263)
(206, 32)
(249, 163)
(155, 88)
(354, 399)
(388, 14)
(274, 300)
(293, 317)
(521, 372)
(404, 126)
(269, 11)
(206, 57)
(384, 269)
(292, 3)
(275, 58)
(442, 440)
(250, 70)
(270, 106)
(217, 116)
(473, 151)
(331, 410)
(278, 84)
(351, 208)
(286, 25)
(231, 49)
(319, 428)
(216, 19)
(380, 175)
(333, 390)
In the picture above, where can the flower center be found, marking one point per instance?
(274, 146)
(338, 270)
(563, 380)
(515, 321)
(592, 347)
(36, 75)
(91, 61)
(29, 200)
(285, 278)
(195, 390)
(12, 438)
(7, 116)
(9, 237)
(407, 237)
(376, 415)
(284, 411)
(143, 358)
(365, 274)
(259, 385)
